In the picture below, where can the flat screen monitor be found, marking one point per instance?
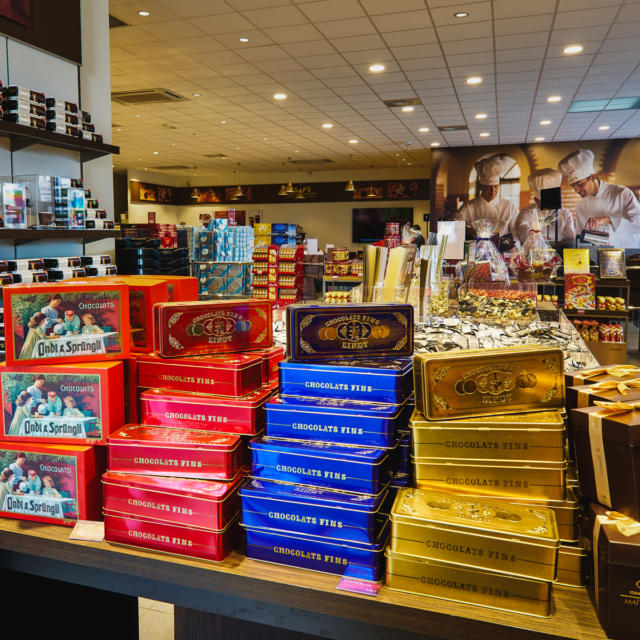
(368, 225)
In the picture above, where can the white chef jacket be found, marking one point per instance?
(501, 212)
(566, 228)
(612, 201)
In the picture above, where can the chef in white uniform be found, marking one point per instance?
(489, 205)
(539, 180)
(601, 203)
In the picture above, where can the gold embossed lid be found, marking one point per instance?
(475, 515)
(548, 419)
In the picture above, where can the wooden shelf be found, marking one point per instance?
(22, 137)
(342, 279)
(226, 588)
(617, 283)
(592, 313)
(22, 236)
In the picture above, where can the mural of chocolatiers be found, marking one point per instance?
(593, 185)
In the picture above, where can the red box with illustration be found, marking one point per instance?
(66, 322)
(57, 484)
(75, 404)
(183, 453)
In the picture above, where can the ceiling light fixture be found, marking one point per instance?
(155, 153)
(554, 98)
(545, 123)
(376, 68)
(460, 14)
(604, 127)
(572, 49)
(194, 194)
(138, 115)
(485, 134)
(280, 96)
(243, 39)
(289, 188)
(327, 125)
(196, 95)
(371, 192)
(474, 80)
(119, 129)
(282, 191)
(223, 122)
(435, 144)
(539, 139)
(423, 129)
(481, 116)
(139, 159)
(144, 14)
(353, 141)
(408, 109)
(350, 186)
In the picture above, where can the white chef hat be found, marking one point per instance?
(577, 165)
(491, 169)
(544, 179)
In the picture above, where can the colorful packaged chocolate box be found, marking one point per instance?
(199, 503)
(362, 561)
(375, 380)
(184, 410)
(58, 484)
(196, 328)
(62, 403)
(306, 510)
(363, 331)
(66, 322)
(271, 358)
(334, 420)
(332, 466)
(183, 453)
(229, 374)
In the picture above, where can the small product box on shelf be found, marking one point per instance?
(66, 322)
(24, 108)
(186, 410)
(364, 331)
(62, 403)
(23, 93)
(183, 453)
(53, 483)
(26, 120)
(232, 374)
(196, 328)
(199, 503)
(61, 105)
(586, 395)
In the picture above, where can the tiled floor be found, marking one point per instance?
(156, 620)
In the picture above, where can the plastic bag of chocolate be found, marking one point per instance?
(489, 265)
(537, 260)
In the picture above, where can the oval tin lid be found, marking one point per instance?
(320, 449)
(166, 436)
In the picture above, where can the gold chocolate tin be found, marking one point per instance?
(474, 532)
(471, 586)
(571, 565)
(465, 384)
(490, 478)
(520, 436)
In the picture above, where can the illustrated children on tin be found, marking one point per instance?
(49, 490)
(52, 312)
(22, 413)
(35, 390)
(71, 324)
(34, 484)
(71, 408)
(54, 404)
(90, 325)
(37, 332)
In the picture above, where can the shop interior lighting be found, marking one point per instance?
(350, 186)
(280, 96)
(474, 80)
(481, 116)
(572, 49)
(460, 14)
(423, 129)
(376, 68)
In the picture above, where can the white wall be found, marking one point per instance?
(165, 213)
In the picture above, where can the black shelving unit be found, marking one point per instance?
(21, 236)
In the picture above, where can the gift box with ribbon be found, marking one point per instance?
(618, 372)
(606, 390)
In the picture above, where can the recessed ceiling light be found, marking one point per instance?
(243, 39)
(237, 148)
(197, 95)
(223, 122)
(435, 144)
(604, 127)
(173, 144)
(145, 168)
(481, 116)
(376, 68)
(485, 134)
(409, 163)
(265, 138)
(327, 125)
(144, 13)
(407, 109)
(539, 139)
(545, 123)
(423, 129)
(554, 98)
(460, 14)
(155, 153)
(353, 141)
(195, 134)
(572, 49)
(280, 96)
(139, 159)
(118, 128)
(474, 80)
(138, 115)
(297, 151)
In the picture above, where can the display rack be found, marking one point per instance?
(339, 280)
(18, 237)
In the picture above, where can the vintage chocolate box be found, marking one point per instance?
(335, 420)
(80, 404)
(186, 410)
(489, 382)
(592, 375)
(301, 509)
(183, 453)
(332, 466)
(364, 331)
(66, 322)
(571, 570)
(387, 380)
(229, 374)
(495, 536)
(196, 328)
(53, 483)
(608, 390)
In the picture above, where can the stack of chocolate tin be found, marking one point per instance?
(319, 494)
(173, 479)
(488, 452)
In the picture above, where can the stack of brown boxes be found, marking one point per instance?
(489, 440)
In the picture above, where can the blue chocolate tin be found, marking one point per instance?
(335, 420)
(299, 509)
(333, 466)
(363, 561)
(375, 380)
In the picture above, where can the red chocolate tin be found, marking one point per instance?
(183, 410)
(196, 328)
(232, 374)
(198, 503)
(271, 357)
(194, 542)
(183, 453)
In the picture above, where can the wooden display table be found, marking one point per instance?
(239, 597)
